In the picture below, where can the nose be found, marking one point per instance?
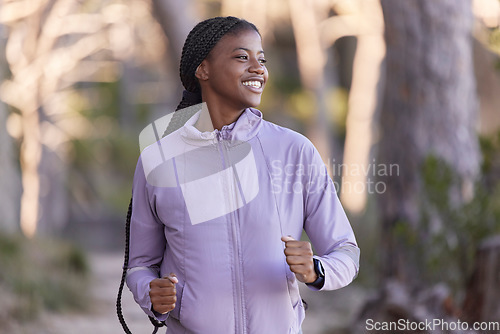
(257, 67)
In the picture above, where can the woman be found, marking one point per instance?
(220, 202)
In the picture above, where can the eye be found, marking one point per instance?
(262, 61)
(242, 57)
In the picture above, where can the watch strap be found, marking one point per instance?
(320, 272)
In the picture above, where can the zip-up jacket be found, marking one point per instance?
(212, 207)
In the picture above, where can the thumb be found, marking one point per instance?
(287, 238)
(172, 278)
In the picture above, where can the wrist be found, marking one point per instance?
(313, 279)
(320, 275)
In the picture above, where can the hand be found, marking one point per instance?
(299, 256)
(162, 293)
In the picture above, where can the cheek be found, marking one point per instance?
(222, 80)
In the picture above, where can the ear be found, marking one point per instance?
(202, 71)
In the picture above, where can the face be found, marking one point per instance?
(234, 75)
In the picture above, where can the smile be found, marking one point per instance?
(253, 83)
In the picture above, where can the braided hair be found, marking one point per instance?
(199, 42)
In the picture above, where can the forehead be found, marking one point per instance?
(246, 39)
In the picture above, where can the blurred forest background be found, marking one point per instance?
(401, 98)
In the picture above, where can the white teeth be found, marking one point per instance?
(255, 84)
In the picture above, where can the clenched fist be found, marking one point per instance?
(162, 293)
(299, 256)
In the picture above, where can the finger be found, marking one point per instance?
(166, 281)
(160, 298)
(299, 251)
(163, 300)
(163, 309)
(291, 242)
(299, 269)
(162, 283)
(168, 308)
(172, 278)
(297, 244)
(291, 260)
(165, 305)
(164, 292)
(294, 244)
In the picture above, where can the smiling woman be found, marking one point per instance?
(214, 248)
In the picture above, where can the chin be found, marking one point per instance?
(253, 103)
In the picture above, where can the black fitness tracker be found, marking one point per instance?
(320, 271)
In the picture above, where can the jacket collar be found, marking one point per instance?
(243, 129)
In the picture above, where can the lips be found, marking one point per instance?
(253, 83)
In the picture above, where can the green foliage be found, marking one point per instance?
(302, 105)
(41, 274)
(491, 156)
(405, 233)
(338, 100)
(494, 40)
(438, 178)
(452, 229)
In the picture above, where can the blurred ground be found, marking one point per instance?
(328, 313)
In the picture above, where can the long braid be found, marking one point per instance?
(124, 273)
(157, 324)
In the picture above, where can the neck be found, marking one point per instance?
(219, 121)
(222, 114)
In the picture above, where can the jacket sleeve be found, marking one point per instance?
(147, 244)
(328, 228)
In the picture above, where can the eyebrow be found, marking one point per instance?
(248, 50)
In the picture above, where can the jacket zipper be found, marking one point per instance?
(235, 233)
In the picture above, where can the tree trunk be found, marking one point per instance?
(429, 108)
(10, 181)
(305, 25)
(483, 290)
(428, 111)
(363, 95)
(176, 20)
(488, 86)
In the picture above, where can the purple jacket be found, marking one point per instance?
(211, 207)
